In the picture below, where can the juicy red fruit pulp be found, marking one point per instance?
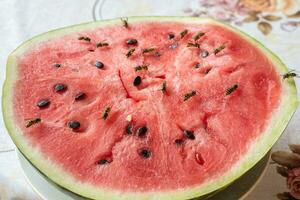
(179, 109)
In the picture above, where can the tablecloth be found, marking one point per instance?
(21, 20)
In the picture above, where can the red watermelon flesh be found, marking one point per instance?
(191, 118)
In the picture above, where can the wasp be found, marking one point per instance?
(125, 22)
(290, 74)
(130, 52)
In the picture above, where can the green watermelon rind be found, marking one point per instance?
(56, 173)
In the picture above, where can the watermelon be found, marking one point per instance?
(146, 107)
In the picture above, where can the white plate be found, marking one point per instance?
(47, 189)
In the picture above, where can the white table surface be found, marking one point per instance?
(21, 20)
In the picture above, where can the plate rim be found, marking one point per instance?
(19, 154)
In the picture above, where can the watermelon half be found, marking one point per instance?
(146, 107)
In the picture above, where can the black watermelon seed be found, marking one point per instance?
(145, 153)
(179, 141)
(197, 65)
(99, 64)
(137, 81)
(129, 129)
(60, 87)
(57, 65)
(157, 54)
(189, 134)
(79, 96)
(142, 131)
(43, 103)
(74, 125)
(171, 36)
(132, 42)
(102, 162)
(204, 54)
(207, 71)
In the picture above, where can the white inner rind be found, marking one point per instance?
(257, 149)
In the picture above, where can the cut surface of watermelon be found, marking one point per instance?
(155, 108)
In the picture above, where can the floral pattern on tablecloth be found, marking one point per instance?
(262, 12)
(289, 167)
